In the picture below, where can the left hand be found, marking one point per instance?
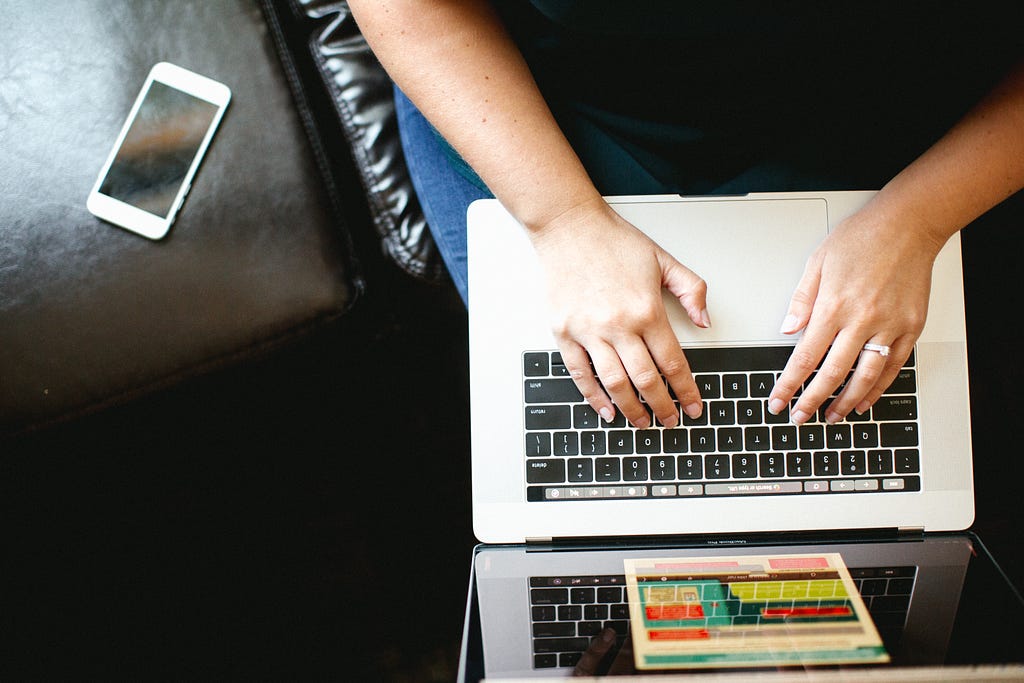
(869, 281)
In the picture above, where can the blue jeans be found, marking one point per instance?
(444, 185)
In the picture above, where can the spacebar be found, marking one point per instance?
(748, 487)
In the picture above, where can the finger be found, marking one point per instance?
(802, 301)
(671, 360)
(689, 288)
(802, 361)
(646, 379)
(870, 366)
(599, 648)
(577, 362)
(618, 383)
(901, 350)
(833, 371)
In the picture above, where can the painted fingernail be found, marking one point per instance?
(776, 406)
(788, 324)
(798, 417)
(693, 410)
(607, 413)
(705, 319)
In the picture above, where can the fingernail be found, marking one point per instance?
(862, 407)
(789, 324)
(798, 417)
(642, 423)
(671, 422)
(607, 413)
(693, 410)
(776, 406)
(705, 319)
(608, 635)
(832, 417)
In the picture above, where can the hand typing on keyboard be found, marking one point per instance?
(868, 283)
(605, 280)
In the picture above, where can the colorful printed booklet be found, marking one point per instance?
(747, 611)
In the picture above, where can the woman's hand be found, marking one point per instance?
(604, 283)
(868, 282)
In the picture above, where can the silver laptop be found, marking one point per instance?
(941, 606)
(544, 470)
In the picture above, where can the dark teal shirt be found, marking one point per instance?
(715, 97)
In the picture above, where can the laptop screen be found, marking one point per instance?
(935, 601)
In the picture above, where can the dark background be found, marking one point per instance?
(308, 514)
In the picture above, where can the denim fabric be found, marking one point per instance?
(445, 185)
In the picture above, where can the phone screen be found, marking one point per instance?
(158, 149)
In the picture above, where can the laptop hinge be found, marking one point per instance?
(909, 531)
(538, 539)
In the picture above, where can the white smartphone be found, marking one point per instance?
(149, 171)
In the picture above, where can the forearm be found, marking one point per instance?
(975, 166)
(456, 62)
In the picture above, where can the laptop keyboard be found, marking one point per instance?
(735, 448)
(568, 611)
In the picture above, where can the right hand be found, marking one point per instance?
(604, 283)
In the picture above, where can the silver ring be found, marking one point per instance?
(882, 349)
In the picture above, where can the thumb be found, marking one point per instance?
(802, 301)
(689, 288)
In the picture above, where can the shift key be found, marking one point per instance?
(552, 391)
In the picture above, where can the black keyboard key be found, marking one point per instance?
(772, 465)
(748, 412)
(898, 434)
(716, 466)
(744, 466)
(545, 661)
(730, 439)
(556, 645)
(710, 386)
(565, 443)
(734, 386)
(722, 412)
(609, 595)
(570, 612)
(581, 470)
(908, 461)
(554, 629)
(549, 596)
(837, 436)
(865, 436)
(584, 417)
(853, 462)
(798, 464)
(905, 383)
(674, 441)
(702, 440)
(538, 444)
(812, 437)
(592, 443)
(761, 384)
(634, 468)
(552, 391)
(607, 469)
(547, 471)
(620, 442)
(663, 468)
(890, 408)
(535, 364)
(690, 467)
(826, 464)
(548, 417)
(879, 461)
(543, 612)
(648, 441)
(756, 439)
(784, 438)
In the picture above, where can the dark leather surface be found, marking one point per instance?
(91, 314)
(340, 68)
